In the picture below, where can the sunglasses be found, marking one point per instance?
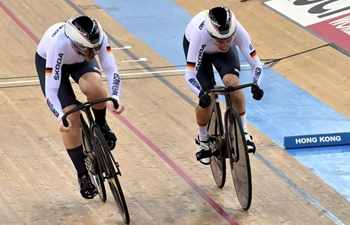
(222, 41)
(233, 35)
(81, 48)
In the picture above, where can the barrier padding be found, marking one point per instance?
(316, 140)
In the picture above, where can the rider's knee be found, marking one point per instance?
(92, 87)
(230, 80)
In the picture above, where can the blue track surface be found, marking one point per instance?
(285, 110)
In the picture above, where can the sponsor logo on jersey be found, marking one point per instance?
(200, 57)
(58, 29)
(201, 25)
(195, 83)
(52, 108)
(58, 66)
(257, 74)
(190, 65)
(116, 83)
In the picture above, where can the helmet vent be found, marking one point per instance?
(88, 27)
(221, 18)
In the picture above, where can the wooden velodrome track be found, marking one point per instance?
(162, 181)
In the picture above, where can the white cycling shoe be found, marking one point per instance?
(250, 143)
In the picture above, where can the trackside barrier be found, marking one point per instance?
(316, 140)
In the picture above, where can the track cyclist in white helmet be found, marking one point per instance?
(68, 49)
(210, 39)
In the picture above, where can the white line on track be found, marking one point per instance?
(134, 60)
(19, 82)
(122, 74)
(120, 48)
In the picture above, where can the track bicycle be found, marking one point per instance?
(227, 140)
(99, 160)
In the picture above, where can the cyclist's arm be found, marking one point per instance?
(54, 62)
(110, 68)
(193, 62)
(243, 41)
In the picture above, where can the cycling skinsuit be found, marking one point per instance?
(56, 60)
(201, 53)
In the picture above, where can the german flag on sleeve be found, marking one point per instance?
(190, 66)
(48, 71)
(253, 54)
(109, 50)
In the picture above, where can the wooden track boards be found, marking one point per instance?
(162, 182)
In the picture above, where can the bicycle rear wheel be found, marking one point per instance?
(218, 161)
(91, 164)
(239, 158)
(111, 175)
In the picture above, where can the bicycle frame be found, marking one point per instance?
(235, 143)
(90, 124)
(108, 168)
(225, 91)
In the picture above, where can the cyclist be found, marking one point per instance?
(210, 39)
(69, 49)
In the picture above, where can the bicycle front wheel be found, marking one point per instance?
(218, 161)
(111, 175)
(239, 158)
(91, 162)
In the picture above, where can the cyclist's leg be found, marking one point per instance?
(204, 77)
(71, 139)
(228, 66)
(73, 143)
(88, 76)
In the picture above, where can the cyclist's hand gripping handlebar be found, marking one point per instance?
(257, 92)
(65, 127)
(204, 99)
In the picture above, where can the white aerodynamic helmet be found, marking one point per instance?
(220, 22)
(84, 32)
